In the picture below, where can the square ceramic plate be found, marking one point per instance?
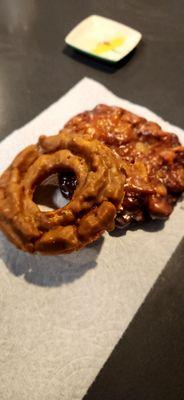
(103, 38)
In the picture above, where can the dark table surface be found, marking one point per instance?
(35, 70)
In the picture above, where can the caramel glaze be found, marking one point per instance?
(153, 161)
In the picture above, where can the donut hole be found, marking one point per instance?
(48, 196)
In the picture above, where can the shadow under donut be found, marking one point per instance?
(147, 226)
(49, 271)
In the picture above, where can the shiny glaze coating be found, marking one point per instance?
(153, 160)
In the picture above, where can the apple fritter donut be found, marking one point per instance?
(153, 161)
(92, 209)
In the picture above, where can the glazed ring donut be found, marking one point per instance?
(92, 209)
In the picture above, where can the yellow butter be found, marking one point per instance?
(103, 47)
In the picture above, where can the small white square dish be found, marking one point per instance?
(103, 38)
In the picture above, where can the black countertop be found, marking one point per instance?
(36, 68)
